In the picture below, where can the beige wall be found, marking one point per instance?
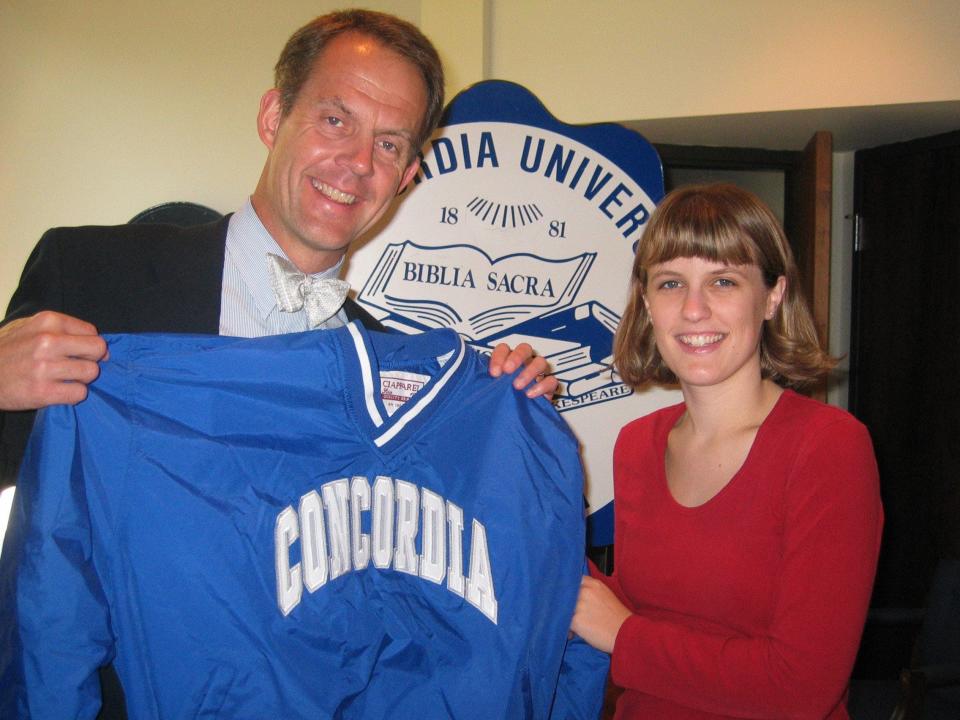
(592, 61)
(111, 106)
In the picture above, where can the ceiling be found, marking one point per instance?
(853, 128)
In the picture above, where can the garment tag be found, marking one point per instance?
(397, 387)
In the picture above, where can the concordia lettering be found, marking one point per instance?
(448, 157)
(559, 165)
(327, 524)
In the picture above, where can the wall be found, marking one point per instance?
(841, 269)
(113, 106)
(593, 61)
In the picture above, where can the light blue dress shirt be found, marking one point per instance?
(248, 307)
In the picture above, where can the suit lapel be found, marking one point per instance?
(354, 311)
(184, 290)
(187, 279)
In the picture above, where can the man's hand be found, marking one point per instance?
(47, 359)
(599, 614)
(504, 360)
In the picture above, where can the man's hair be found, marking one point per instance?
(305, 45)
(726, 224)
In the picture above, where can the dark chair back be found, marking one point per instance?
(184, 214)
(938, 647)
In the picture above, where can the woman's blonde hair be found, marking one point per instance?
(726, 224)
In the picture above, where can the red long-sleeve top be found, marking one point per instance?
(752, 604)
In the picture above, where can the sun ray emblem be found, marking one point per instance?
(498, 214)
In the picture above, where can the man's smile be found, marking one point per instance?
(332, 193)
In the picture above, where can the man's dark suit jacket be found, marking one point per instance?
(123, 279)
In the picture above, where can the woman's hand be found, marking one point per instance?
(599, 614)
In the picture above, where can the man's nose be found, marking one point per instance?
(357, 154)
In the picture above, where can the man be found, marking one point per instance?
(357, 95)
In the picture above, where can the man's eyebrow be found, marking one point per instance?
(400, 132)
(335, 102)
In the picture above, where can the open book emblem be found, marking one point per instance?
(520, 297)
(461, 287)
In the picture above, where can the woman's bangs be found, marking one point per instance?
(715, 241)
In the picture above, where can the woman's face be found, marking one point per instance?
(708, 317)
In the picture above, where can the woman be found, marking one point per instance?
(748, 517)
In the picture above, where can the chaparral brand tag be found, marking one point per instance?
(396, 387)
(520, 228)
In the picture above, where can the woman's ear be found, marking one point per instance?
(775, 297)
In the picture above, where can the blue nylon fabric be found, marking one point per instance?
(146, 532)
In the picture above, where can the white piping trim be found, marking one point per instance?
(421, 403)
(367, 374)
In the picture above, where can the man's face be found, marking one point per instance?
(342, 152)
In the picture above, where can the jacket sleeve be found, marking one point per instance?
(55, 615)
(832, 526)
(39, 289)
(40, 285)
(583, 678)
(582, 682)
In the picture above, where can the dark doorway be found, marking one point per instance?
(905, 351)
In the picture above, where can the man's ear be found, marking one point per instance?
(409, 173)
(268, 119)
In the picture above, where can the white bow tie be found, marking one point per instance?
(321, 298)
